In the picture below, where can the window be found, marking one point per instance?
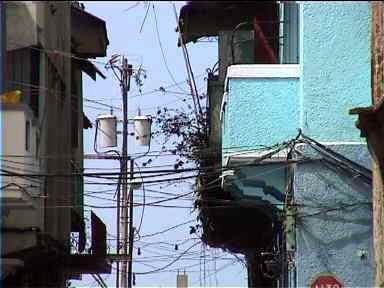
(35, 81)
(270, 37)
(27, 135)
(23, 72)
(289, 33)
(37, 147)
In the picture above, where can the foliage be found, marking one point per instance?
(185, 131)
(137, 76)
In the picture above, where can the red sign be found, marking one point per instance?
(326, 281)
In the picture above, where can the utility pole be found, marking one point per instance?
(125, 83)
(131, 228)
(124, 200)
(181, 280)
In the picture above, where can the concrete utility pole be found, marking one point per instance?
(182, 280)
(124, 249)
(131, 228)
(125, 83)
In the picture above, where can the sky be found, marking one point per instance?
(132, 32)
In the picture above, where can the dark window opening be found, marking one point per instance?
(35, 81)
(270, 38)
(27, 135)
(37, 145)
(23, 73)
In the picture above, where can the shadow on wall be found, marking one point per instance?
(333, 220)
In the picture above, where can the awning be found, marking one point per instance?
(89, 34)
(88, 67)
(86, 122)
(99, 236)
(203, 19)
(96, 262)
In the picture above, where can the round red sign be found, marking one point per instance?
(326, 281)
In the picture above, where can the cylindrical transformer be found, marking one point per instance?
(106, 125)
(143, 130)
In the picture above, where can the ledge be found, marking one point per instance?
(263, 71)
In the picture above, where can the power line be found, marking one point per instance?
(167, 230)
(54, 52)
(61, 53)
(145, 16)
(162, 51)
(191, 77)
(102, 104)
(169, 264)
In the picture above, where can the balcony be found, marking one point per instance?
(20, 150)
(260, 106)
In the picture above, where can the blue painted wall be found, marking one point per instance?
(336, 67)
(260, 112)
(335, 77)
(330, 241)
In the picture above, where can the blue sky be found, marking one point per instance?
(124, 20)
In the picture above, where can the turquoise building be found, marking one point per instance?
(290, 149)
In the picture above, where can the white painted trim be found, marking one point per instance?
(301, 58)
(263, 71)
(254, 154)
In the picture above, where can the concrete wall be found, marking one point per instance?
(262, 109)
(330, 242)
(55, 123)
(14, 144)
(21, 16)
(336, 65)
(49, 24)
(334, 77)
